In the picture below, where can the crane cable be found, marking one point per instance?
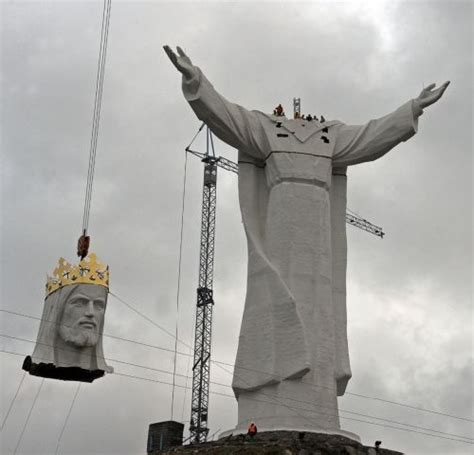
(179, 280)
(83, 247)
(180, 256)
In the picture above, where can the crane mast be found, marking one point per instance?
(205, 301)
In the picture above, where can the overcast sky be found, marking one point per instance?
(409, 295)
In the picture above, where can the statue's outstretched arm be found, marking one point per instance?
(230, 122)
(361, 143)
(428, 96)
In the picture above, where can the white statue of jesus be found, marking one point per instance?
(292, 358)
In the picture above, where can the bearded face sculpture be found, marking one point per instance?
(69, 343)
(83, 314)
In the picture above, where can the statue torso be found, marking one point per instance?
(298, 150)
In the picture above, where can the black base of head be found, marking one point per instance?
(49, 370)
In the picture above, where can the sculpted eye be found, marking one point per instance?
(78, 302)
(99, 305)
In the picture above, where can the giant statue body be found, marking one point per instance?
(292, 360)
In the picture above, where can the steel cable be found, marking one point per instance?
(96, 112)
(28, 417)
(13, 401)
(67, 418)
(179, 283)
(271, 397)
(161, 348)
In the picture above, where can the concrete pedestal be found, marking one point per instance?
(283, 443)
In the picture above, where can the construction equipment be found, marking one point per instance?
(202, 339)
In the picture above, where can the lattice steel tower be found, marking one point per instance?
(296, 107)
(202, 338)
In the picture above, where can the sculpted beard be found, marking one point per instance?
(79, 336)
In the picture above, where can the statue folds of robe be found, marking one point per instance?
(292, 358)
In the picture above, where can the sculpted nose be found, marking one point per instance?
(90, 308)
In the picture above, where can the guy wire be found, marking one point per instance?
(217, 362)
(293, 407)
(176, 338)
(28, 417)
(67, 417)
(314, 385)
(13, 401)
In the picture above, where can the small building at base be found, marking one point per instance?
(164, 435)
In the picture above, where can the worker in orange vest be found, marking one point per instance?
(252, 430)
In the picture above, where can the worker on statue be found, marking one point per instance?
(293, 339)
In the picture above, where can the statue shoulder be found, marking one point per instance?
(269, 117)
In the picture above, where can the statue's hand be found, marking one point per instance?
(429, 96)
(181, 61)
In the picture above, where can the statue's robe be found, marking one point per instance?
(292, 349)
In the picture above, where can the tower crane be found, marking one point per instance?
(205, 299)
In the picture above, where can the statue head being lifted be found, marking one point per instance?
(69, 343)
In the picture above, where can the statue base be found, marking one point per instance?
(281, 443)
(267, 431)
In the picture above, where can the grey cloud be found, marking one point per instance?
(258, 54)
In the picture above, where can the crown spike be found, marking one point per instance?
(88, 271)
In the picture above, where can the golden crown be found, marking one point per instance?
(88, 271)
